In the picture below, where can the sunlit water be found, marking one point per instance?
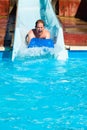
(42, 93)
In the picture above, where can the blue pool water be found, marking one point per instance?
(42, 93)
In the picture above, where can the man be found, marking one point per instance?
(38, 32)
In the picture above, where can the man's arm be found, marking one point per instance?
(29, 36)
(26, 38)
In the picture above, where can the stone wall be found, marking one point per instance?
(68, 8)
(4, 7)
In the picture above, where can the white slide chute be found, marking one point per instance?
(28, 12)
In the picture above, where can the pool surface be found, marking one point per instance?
(42, 93)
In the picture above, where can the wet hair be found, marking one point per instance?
(39, 21)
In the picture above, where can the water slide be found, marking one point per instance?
(28, 12)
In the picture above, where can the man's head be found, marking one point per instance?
(39, 26)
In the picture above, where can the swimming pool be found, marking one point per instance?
(42, 93)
